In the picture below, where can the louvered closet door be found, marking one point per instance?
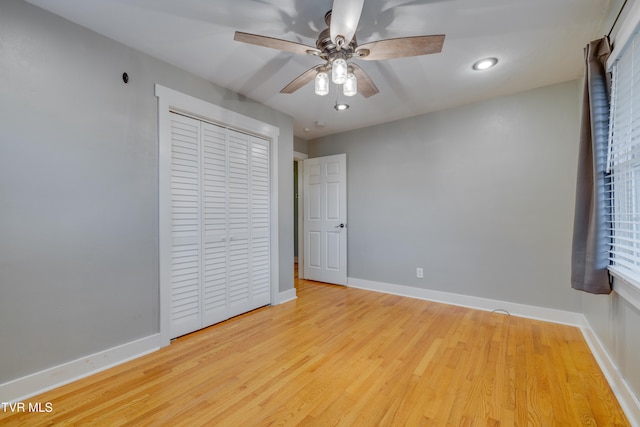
(260, 220)
(238, 220)
(220, 224)
(185, 226)
(214, 178)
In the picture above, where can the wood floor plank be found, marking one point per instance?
(342, 356)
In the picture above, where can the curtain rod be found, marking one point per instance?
(617, 17)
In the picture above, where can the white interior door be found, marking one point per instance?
(325, 219)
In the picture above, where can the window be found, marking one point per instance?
(623, 165)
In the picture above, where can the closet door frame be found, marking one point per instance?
(169, 101)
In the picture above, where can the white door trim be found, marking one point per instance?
(171, 100)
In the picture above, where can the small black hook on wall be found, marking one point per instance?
(125, 77)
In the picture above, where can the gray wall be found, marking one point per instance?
(481, 197)
(300, 145)
(79, 189)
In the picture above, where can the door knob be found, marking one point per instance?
(341, 226)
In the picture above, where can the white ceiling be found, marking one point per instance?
(538, 42)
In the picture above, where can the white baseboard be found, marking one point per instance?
(286, 296)
(23, 388)
(521, 310)
(627, 399)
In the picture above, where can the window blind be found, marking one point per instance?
(623, 163)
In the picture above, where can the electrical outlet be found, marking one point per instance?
(419, 273)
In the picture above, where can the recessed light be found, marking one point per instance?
(485, 63)
(341, 107)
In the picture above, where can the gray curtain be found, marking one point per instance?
(590, 253)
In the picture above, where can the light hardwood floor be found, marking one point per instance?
(343, 356)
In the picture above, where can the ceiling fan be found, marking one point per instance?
(337, 44)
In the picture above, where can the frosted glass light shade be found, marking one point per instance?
(350, 87)
(322, 84)
(339, 71)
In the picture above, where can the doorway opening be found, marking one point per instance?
(298, 207)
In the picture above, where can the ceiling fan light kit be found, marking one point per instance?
(337, 44)
(344, 76)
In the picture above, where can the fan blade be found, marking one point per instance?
(345, 16)
(301, 80)
(275, 43)
(400, 48)
(366, 86)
